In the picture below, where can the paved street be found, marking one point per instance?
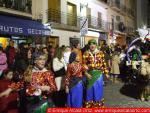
(119, 95)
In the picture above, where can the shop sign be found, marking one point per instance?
(83, 26)
(18, 26)
(23, 31)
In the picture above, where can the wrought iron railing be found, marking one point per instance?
(72, 22)
(62, 17)
(130, 12)
(129, 29)
(19, 5)
(67, 19)
(98, 23)
(122, 8)
(115, 4)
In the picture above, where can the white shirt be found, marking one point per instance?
(58, 64)
(66, 57)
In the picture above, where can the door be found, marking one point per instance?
(54, 11)
(54, 41)
(72, 14)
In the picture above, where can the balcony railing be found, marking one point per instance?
(122, 8)
(115, 4)
(129, 29)
(63, 19)
(68, 21)
(97, 23)
(18, 5)
(130, 12)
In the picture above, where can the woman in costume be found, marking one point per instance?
(93, 59)
(73, 81)
(39, 84)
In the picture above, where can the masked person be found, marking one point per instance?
(93, 59)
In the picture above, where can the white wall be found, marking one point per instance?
(64, 36)
(96, 7)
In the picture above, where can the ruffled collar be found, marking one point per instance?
(35, 69)
(94, 52)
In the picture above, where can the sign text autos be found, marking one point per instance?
(24, 31)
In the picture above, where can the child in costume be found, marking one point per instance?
(8, 103)
(73, 81)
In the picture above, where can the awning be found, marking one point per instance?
(16, 26)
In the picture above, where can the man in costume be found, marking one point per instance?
(93, 60)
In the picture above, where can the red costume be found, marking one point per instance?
(8, 104)
(38, 79)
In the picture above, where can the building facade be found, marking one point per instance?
(20, 20)
(103, 17)
(70, 20)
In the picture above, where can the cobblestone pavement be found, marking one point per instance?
(120, 95)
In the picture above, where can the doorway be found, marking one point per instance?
(53, 40)
(72, 14)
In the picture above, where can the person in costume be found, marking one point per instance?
(93, 60)
(39, 84)
(73, 82)
(8, 103)
(59, 69)
(76, 48)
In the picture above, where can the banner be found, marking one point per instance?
(17, 26)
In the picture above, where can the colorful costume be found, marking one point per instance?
(79, 53)
(37, 101)
(96, 68)
(74, 82)
(8, 104)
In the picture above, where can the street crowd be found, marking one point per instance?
(35, 78)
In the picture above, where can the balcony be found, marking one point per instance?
(115, 5)
(130, 12)
(63, 20)
(16, 5)
(129, 29)
(122, 9)
(66, 21)
(97, 23)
